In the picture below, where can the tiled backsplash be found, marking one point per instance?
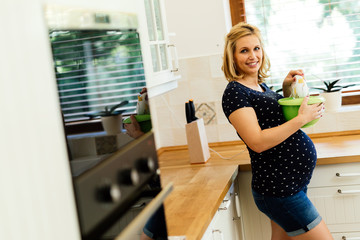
(202, 80)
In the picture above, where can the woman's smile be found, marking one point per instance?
(252, 64)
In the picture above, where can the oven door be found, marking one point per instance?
(121, 197)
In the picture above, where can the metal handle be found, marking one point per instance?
(145, 214)
(352, 238)
(347, 174)
(237, 206)
(140, 205)
(348, 191)
(176, 58)
(227, 205)
(217, 231)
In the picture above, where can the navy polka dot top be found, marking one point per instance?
(286, 168)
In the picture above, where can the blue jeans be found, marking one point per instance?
(295, 214)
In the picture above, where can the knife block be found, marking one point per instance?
(197, 141)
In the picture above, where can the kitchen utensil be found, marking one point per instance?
(188, 112)
(192, 110)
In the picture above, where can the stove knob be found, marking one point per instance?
(145, 165)
(128, 177)
(108, 193)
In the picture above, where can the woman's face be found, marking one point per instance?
(248, 55)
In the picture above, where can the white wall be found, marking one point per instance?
(200, 27)
(37, 201)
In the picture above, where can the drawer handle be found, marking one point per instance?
(237, 204)
(347, 174)
(352, 238)
(348, 192)
(228, 202)
(220, 233)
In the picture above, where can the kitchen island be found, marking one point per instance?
(200, 188)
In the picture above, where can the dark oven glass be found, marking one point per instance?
(115, 174)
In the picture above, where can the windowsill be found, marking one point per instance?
(342, 120)
(349, 108)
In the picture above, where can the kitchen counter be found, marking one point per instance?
(200, 188)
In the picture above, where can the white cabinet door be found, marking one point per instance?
(226, 224)
(256, 224)
(164, 64)
(339, 206)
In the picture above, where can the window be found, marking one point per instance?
(96, 68)
(320, 36)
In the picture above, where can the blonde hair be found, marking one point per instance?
(229, 67)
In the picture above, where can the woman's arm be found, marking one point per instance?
(289, 79)
(245, 122)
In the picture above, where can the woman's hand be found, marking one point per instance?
(307, 113)
(133, 129)
(290, 79)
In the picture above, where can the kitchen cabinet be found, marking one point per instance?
(255, 224)
(347, 236)
(227, 222)
(334, 190)
(162, 72)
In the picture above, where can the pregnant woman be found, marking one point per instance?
(282, 156)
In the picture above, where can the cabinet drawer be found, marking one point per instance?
(339, 206)
(346, 236)
(336, 175)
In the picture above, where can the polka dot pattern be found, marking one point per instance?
(286, 168)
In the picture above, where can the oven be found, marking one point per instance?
(97, 61)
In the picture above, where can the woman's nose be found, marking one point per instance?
(252, 55)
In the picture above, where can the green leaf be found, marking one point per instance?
(119, 105)
(323, 89)
(332, 84)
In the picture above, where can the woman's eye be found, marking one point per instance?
(243, 51)
(257, 48)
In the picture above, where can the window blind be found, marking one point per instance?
(97, 68)
(322, 37)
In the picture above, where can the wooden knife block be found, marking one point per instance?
(197, 141)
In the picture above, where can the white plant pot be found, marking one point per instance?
(332, 101)
(112, 124)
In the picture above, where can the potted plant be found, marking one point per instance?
(332, 94)
(111, 119)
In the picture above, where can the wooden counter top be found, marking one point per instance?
(200, 188)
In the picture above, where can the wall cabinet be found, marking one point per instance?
(334, 190)
(227, 222)
(162, 72)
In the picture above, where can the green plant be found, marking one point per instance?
(109, 112)
(330, 86)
